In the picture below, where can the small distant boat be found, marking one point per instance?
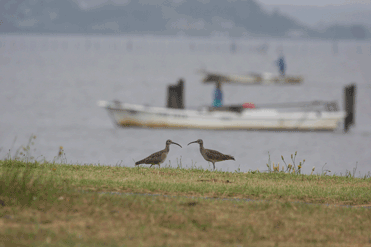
(251, 78)
(304, 116)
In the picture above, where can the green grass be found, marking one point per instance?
(199, 182)
(52, 204)
(25, 186)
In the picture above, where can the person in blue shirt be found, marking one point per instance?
(218, 96)
(281, 65)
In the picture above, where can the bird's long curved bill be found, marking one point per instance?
(192, 142)
(176, 144)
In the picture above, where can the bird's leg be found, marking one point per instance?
(151, 166)
(214, 165)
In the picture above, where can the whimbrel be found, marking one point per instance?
(212, 155)
(158, 157)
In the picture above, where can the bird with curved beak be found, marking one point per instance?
(158, 157)
(212, 155)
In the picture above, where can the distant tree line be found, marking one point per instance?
(158, 17)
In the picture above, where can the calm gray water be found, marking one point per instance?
(50, 86)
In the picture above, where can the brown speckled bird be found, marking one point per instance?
(212, 155)
(158, 157)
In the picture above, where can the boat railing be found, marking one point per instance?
(291, 106)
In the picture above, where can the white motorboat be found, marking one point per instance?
(304, 116)
(127, 115)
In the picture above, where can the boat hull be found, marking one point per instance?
(127, 115)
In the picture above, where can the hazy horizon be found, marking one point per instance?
(327, 19)
(323, 13)
(316, 13)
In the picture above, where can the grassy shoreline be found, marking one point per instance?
(204, 183)
(42, 204)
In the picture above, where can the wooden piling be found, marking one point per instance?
(175, 95)
(349, 101)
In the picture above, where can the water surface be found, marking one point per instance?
(50, 86)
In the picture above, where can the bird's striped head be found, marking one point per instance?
(168, 142)
(199, 141)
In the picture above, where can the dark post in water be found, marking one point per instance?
(349, 93)
(175, 95)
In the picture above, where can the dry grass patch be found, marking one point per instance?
(160, 221)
